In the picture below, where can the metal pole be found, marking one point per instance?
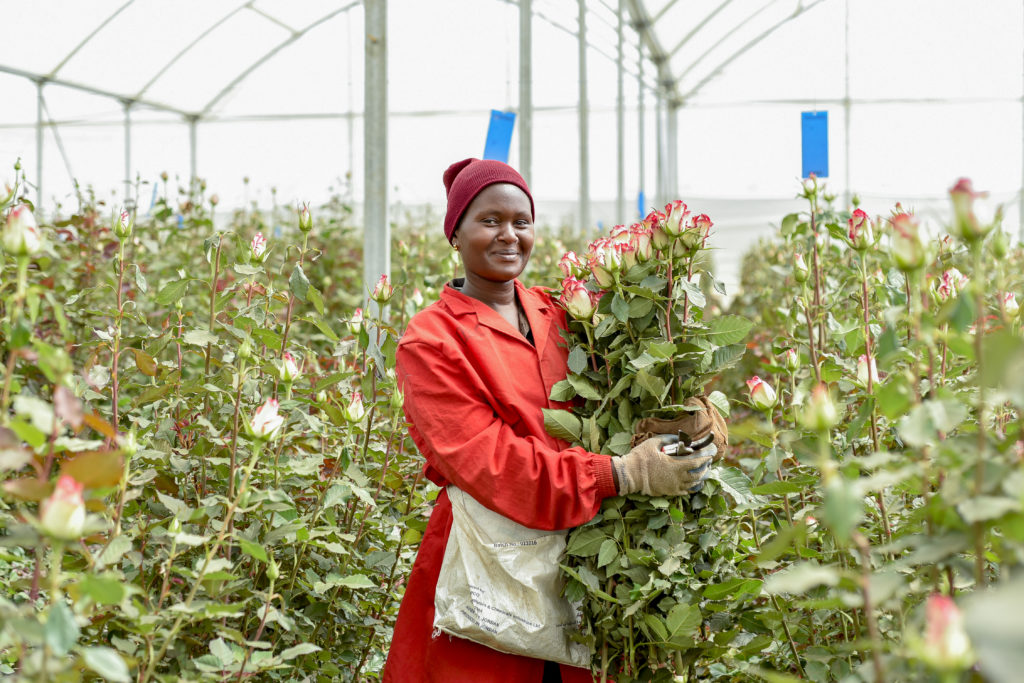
(641, 209)
(659, 142)
(620, 121)
(127, 150)
(584, 123)
(39, 145)
(192, 168)
(672, 151)
(376, 238)
(846, 107)
(1020, 208)
(526, 89)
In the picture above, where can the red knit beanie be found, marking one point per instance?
(464, 180)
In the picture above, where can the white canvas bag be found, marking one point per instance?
(500, 586)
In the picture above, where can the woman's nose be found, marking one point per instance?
(507, 233)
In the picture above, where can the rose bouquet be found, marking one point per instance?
(639, 347)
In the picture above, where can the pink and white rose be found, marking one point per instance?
(21, 233)
(62, 515)
(266, 423)
(576, 299)
(762, 394)
(383, 290)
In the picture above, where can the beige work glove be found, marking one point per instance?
(650, 470)
(696, 425)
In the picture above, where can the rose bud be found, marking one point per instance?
(266, 422)
(861, 231)
(214, 199)
(627, 254)
(571, 264)
(1010, 304)
(21, 234)
(820, 413)
(619, 233)
(305, 219)
(416, 297)
(867, 371)
(354, 409)
(604, 261)
(289, 368)
(800, 269)
(676, 214)
(655, 222)
(123, 226)
(965, 224)
(762, 395)
(258, 249)
(576, 300)
(62, 515)
(791, 360)
(355, 323)
(907, 248)
(640, 239)
(383, 290)
(953, 282)
(946, 645)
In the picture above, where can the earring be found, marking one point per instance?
(455, 247)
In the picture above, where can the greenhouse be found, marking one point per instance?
(267, 345)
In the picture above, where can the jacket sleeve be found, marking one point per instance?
(521, 477)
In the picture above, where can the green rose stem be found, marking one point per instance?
(816, 267)
(56, 560)
(15, 320)
(291, 300)
(775, 599)
(869, 609)
(263, 623)
(388, 584)
(978, 528)
(115, 379)
(235, 427)
(865, 305)
(211, 551)
(215, 275)
(810, 337)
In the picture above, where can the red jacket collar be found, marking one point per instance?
(535, 303)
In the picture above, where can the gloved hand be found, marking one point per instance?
(696, 425)
(649, 470)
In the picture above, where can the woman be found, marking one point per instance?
(476, 369)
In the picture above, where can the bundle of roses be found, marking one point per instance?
(639, 346)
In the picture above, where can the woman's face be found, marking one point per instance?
(495, 236)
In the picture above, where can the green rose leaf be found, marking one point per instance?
(728, 329)
(562, 424)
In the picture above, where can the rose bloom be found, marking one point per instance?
(604, 260)
(698, 228)
(655, 222)
(800, 270)
(355, 323)
(791, 359)
(820, 413)
(266, 422)
(640, 239)
(63, 514)
(907, 248)
(21, 234)
(762, 394)
(289, 368)
(123, 225)
(1010, 304)
(383, 290)
(676, 214)
(866, 369)
(946, 645)
(572, 265)
(305, 219)
(965, 224)
(861, 231)
(576, 300)
(258, 248)
(953, 282)
(354, 409)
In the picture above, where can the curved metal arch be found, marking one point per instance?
(185, 50)
(800, 10)
(277, 48)
(728, 34)
(701, 24)
(89, 37)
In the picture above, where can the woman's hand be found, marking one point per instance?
(650, 470)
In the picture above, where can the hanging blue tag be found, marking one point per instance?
(499, 135)
(640, 201)
(814, 134)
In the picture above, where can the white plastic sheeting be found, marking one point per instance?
(919, 92)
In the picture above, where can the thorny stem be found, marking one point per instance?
(870, 362)
(210, 553)
(12, 356)
(209, 349)
(869, 609)
(115, 380)
(978, 528)
(775, 599)
(810, 341)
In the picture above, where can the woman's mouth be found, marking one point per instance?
(511, 255)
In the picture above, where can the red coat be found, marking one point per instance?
(474, 389)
